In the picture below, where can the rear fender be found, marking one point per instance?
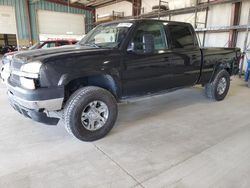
(221, 66)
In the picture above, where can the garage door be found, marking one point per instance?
(57, 23)
(7, 20)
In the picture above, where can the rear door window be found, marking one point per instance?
(181, 36)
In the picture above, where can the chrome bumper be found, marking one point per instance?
(49, 105)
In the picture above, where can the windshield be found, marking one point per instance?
(107, 36)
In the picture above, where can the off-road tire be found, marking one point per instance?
(75, 105)
(211, 88)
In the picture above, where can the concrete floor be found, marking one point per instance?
(176, 140)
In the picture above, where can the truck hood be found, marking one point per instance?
(41, 54)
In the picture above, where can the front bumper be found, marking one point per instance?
(37, 104)
(50, 99)
(49, 105)
(38, 116)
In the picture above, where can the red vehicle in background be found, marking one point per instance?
(50, 43)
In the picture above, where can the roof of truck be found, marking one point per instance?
(143, 20)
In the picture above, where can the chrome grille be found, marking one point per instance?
(14, 80)
(15, 65)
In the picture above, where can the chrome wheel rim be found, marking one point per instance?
(94, 115)
(222, 85)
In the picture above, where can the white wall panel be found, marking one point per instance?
(241, 39)
(219, 15)
(244, 12)
(240, 44)
(60, 23)
(123, 6)
(7, 20)
(217, 39)
(183, 18)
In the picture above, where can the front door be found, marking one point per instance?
(146, 70)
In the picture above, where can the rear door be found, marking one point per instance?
(186, 54)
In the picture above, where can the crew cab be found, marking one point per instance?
(114, 62)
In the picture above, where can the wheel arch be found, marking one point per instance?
(105, 81)
(223, 65)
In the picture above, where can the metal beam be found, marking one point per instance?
(74, 1)
(96, 3)
(71, 5)
(200, 7)
(222, 28)
(105, 3)
(235, 19)
(206, 19)
(136, 6)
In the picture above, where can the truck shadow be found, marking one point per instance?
(156, 105)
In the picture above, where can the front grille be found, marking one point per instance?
(14, 80)
(15, 65)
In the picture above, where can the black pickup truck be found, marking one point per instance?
(115, 62)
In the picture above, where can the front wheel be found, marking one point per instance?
(90, 113)
(219, 87)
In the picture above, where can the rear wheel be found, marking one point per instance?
(218, 88)
(90, 113)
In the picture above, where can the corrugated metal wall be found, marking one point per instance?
(22, 17)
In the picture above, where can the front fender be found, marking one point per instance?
(104, 80)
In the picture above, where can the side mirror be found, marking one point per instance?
(131, 47)
(148, 43)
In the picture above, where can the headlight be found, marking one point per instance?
(28, 73)
(33, 67)
(27, 83)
